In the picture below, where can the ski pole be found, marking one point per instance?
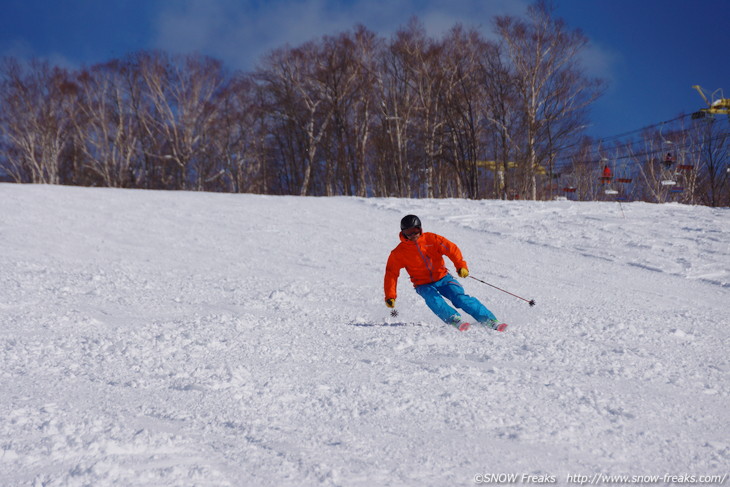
(531, 301)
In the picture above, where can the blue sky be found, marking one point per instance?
(650, 52)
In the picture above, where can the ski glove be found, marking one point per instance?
(463, 272)
(390, 303)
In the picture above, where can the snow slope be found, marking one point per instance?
(191, 339)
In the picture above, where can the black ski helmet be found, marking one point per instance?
(410, 221)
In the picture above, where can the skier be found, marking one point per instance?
(607, 176)
(422, 256)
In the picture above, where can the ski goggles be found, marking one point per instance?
(411, 232)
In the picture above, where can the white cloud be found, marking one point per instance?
(22, 49)
(240, 32)
(601, 62)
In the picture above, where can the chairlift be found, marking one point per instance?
(570, 189)
(607, 176)
(668, 163)
(685, 167)
(624, 180)
(668, 181)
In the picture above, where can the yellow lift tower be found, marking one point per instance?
(718, 105)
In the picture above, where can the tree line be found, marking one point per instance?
(349, 114)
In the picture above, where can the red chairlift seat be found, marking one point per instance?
(570, 189)
(685, 167)
(624, 180)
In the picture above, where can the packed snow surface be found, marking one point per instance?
(190, 339)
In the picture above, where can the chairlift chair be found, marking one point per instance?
(606, 178)
(668, 162)
(607, 175)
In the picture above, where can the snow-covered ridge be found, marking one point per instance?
(168, 338)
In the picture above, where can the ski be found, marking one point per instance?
(463, 326)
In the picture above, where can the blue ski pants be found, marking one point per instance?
(447, 287)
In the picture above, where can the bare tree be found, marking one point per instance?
(709, 161)
(341, 77)
(105, 126)
(296, 94)
(349, 77)
(427, 82)
(181, 94)
(367, 48)
(549, 83)
(38, 105)
(464, 108)
(502, 117)
(238, 140)
(397, 113)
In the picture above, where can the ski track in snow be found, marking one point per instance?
(179, 339)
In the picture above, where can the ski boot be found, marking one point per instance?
(494, 325)
(459, 324)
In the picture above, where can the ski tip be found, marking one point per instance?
(464, 326)
(501, 327)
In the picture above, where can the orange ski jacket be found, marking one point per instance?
(423, 260)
